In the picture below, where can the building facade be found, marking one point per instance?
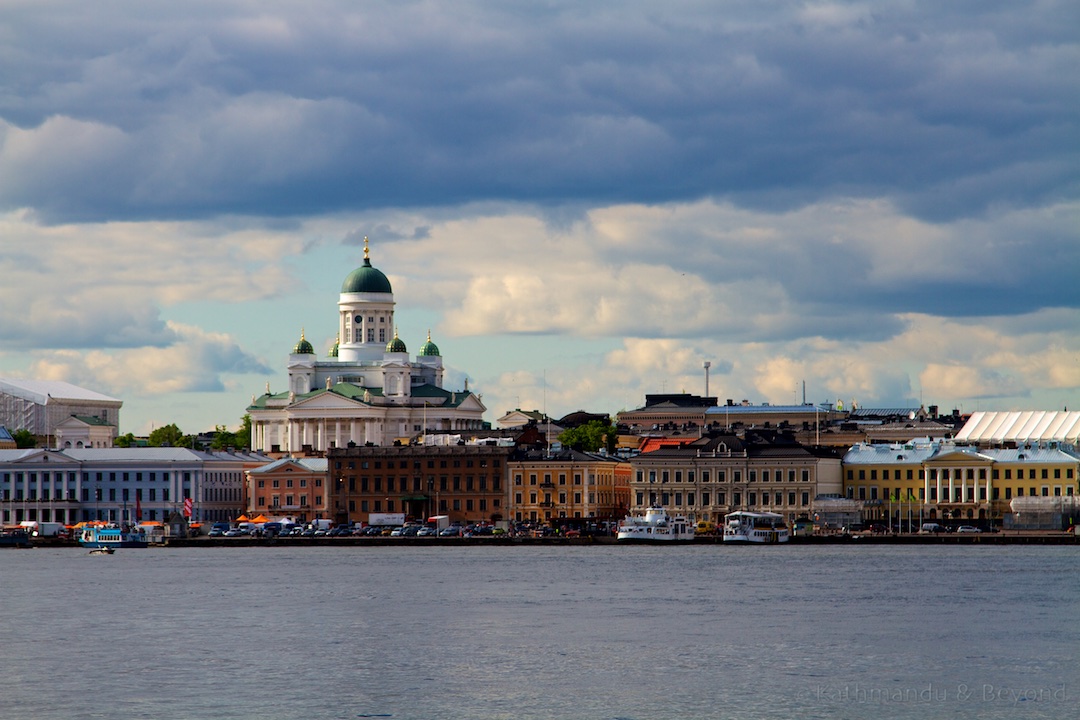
(40, 406)
(368, 389)
(717, 474)
(941, 480)
(122, 485)
(294, 487)
(568, 486)
(465, 482)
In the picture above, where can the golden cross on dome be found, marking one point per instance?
(367, 256)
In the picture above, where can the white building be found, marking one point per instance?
(121, 484)
(42, 406)
(368, 390)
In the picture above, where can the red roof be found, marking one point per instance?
(650, 444)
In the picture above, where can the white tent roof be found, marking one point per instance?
(39, 391)
(1025, 426)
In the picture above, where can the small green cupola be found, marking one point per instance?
(429, 349)
(397, 345)
(303, 347)
(334, 350)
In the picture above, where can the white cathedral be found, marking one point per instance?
(367, 390)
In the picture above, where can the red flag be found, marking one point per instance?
(138, 509)
(187, 507)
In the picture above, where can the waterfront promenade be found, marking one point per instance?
(1005, 537)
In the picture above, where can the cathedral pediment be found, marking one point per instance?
(326, 400)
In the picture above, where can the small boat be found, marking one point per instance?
(103, 551)
(752, 527)
(655, 526)
(112, 536)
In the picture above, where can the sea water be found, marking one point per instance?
(541, 631)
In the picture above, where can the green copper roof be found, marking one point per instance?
(303, 347)
(366, 279)
(397, 345)
(429, 349)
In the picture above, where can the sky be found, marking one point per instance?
(583, 202)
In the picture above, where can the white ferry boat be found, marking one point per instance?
(752, 527)
(655, 526)
(112, 537)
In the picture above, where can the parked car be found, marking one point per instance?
(235, 532)
(216, 532)
(968, 529)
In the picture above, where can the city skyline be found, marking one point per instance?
(582, 204)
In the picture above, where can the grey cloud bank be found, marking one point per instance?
(879, 197)
(151, 112)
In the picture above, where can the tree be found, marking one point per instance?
(243, 436)
(24, 439)
(125, 441)
(167, 435)
(222, 438)
(590, 437)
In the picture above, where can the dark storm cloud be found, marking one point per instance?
(209, 108)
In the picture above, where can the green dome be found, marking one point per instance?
(429, 349)
(397, 345)
(366, 279)
(303, 347)
(334, 350)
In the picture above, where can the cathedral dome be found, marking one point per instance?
(397, 345)
(334, 350)
(429, 349)
(303, 347)
(366, 279)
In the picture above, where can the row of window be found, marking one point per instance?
(863, 492)
(446, 484)
(533, 479)
(721, 475)
(416, 464)
(58, 477)
(92, 494)
(290, 501)
(445, 505)
(778, 498)
(301, 482)
(966, 473)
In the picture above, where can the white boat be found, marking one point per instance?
(752, 527)
(112, 536)
(655, 526)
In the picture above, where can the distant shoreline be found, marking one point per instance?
(999, 538)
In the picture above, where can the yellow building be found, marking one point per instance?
(567, 485)
(939, 480)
